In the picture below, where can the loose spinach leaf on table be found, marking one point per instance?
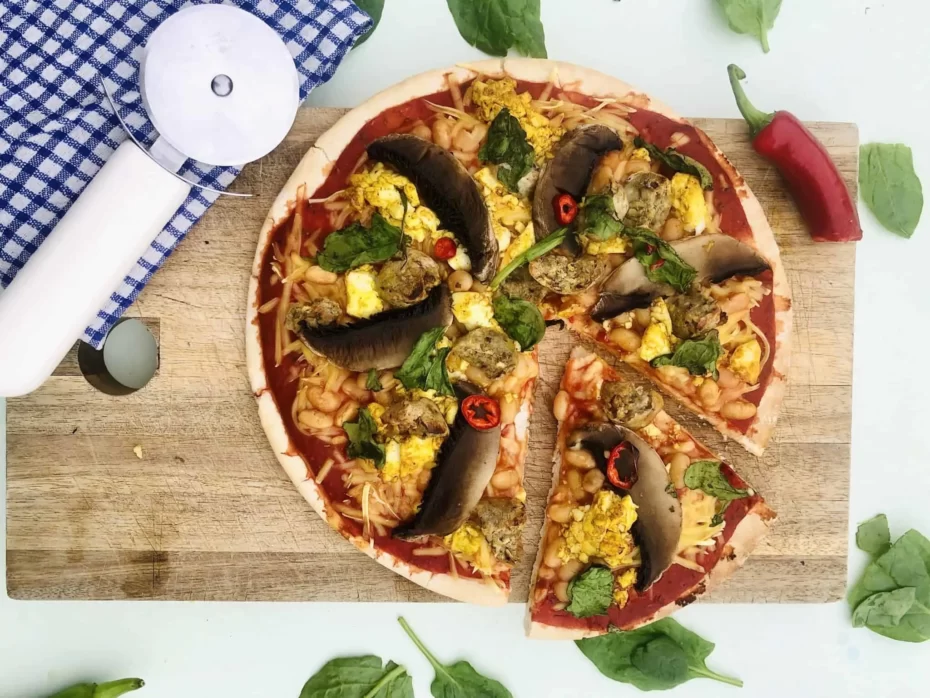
(890, 187)
(707, 476)
(372, 8)
(495, 26)
(506, 146)
(591, 592)
(599, 217)
(357, 245)
(699, 356)
(753, 17)
(459, 680)
(362, 442)
(650, 657)
(873, 536)
(659, 259)
(425, 368)
(886, 608)
(674, 160)
(359, 677)
(520, 319)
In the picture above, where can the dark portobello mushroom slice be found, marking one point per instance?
(658, 527)
(716, 258)
(445, 186)
(384, 340)
(465, 464)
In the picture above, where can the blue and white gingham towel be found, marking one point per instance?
(57, 129)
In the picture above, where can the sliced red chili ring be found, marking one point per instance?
(622, 471)
(650, 248)
(481, 412)
(445, 248)
(658, 264)
(566, 208)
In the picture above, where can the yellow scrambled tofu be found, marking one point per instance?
(600, 530)
(362, 299)
(688, 202)
(378, 187)
(746, 361)
(658, 338)
(490, 96)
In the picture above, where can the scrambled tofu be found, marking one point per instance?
(520, 244)
(378, 187)
(622, 584)
(490, 96)
(600, 530)
(746, 361)
(470, 544)
(658, 338)
(510, 214)
(640, 154)
(405, 458)
(474, 309)
(688, 202)
(362, 292)
(614, 245)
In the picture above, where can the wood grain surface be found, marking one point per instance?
(207, 513)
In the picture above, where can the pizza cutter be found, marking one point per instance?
(220, 87)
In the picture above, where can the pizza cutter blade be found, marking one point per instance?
(220, 87)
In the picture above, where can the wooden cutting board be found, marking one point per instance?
(207, 513)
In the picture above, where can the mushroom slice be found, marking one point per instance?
(569, 172)
(464, 467)
(716, 258)
(658, 527)
(567, 276)
(382, 341)
(445, 186)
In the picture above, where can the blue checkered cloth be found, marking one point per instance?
(57, 129)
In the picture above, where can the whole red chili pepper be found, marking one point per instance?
(481, 412)
(811, 175)
(566, 208)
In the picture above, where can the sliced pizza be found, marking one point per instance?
(641, 518)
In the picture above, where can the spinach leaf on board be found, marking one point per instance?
(650, 657)
(591, 592)
(506, 146)
(659, 259)
(674, 160)
(372, 382)
(753, 17)
(707, 476)
(495, 26)
(359, 677)
(425, 368)
(890, 187)
(599, 217)
(459, 680)
(873, 536)
(520, 319)
(356, 245)
(362, 442)
(372, 8)
(699, 356)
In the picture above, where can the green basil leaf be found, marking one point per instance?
(359, 677)
(659, 259)
(890, 187)
(884, 608)
(873, 536)
(680, 163)
(507, 147)
(361, 434)
(612, 654)
(699, 356)
(591, 592)
(753, 17)
(372, 382)
(495, 26)
(425, 368)
(356, 245)
(520, 319)
(372, 8)
(707, 476)
(599, 217)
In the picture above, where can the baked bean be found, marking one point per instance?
(479, 287)
(641, 315)
(347, 413)
(383, 397)
(505, 479)
(672, 230)
(460, 280)
(601, 178)
(442, 133)
(727, 379)
(546, 573)
(510, 406)
(573, 479)
(738, 409)
(677, 466)
(476, 375)
(593, 481)
(709, 392)
(318, 275)
(313, 419)
(560, 405)
(551, 555)
(540, 594)
(634, 166)
(422, 131)
(387, 380)
(337, 377)
(579, 458)
(570, 569)
(512, 384)
(324, 400)
(468, 141)
(352, 389)
(561, 590)
(560, 513)
(626, 339)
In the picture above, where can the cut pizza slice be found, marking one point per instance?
(641, 518)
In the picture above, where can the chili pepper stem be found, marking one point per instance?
(756, 118)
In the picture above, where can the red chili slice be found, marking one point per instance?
(481, 412)
(622, 470)
(566, 208)
(445, 248)
(658, 264)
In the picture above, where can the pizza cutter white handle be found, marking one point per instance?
(85, 258)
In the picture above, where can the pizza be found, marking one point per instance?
(406, 273)
(641, 519)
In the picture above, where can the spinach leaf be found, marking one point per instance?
(890, 187)
(599, 217)
(362, 442)
(109, 689)
(547, 244)
(494, 26)
(356, 245)
(372, 8)
(753, 17)
(707, 476)
(873, 536)
(459, 680)
(699, 356)
(680, 163)
(507, 147)
(372, 382)
(658, 648)
(520, 319)
(591, 592)
(359, 677)
(884, 608)
(659, 259)
(425, 368)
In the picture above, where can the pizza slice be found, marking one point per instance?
(641, 518)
